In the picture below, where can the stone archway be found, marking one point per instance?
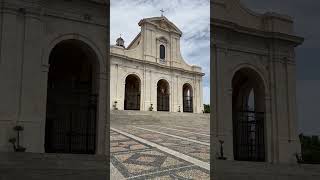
(248, 114)
(132, 93)
(163, 95)
(72, 92)
(187, 93)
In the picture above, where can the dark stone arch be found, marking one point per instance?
(248, 114)
(71, 114)
(187, 93)
(163, 95)
(132, 92)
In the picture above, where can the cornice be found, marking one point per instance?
(156, 64)
(41, 10)
(84, 18)
(217, 23)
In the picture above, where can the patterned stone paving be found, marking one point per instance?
(120, 143)
(183, 133)
(135, 160)
(185, 173)
(204, 130)
(199, 151)
(144, 162)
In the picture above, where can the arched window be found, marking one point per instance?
(162, 52)
(132, 93)
(162, 95)
(248, 112)
(187, 98)
(72, 67)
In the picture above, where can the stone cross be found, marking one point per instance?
(162, 11)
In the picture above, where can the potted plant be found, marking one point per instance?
(179, 109)
(16, 146)
(151, 107)
(298, 158)
(115, 105)
(221, 157)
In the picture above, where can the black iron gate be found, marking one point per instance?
(163, 102)
(187, 104)
(71, 122)
(249, 143)
(132, 101)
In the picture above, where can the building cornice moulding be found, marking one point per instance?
(39, 11)
(217, 23)
(156, 64)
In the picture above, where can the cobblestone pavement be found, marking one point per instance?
(159, 151)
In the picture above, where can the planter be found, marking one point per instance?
(16, 141)
(21, 149)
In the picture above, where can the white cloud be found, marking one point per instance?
(191, 17)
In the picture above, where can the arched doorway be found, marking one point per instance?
(71, 99)
(162, 95)
(132, 93)
(187, 98)
(248, 113)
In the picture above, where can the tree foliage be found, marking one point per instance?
(206, 108)
(310, 149)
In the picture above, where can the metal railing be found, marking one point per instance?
(249, 142)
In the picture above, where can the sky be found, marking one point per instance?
(191, 17)
(306, 18)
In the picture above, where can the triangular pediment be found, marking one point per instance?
(161, 23)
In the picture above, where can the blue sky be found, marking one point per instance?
(191, 17)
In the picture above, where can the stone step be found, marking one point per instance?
(156, 116)
(157, 113)
(225, 170)
(121, 117)
(52, 166)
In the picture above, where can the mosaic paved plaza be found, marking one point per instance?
(160, 150)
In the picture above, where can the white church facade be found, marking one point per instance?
(150, 73)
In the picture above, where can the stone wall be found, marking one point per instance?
(29, 30)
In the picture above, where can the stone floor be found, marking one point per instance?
(160, 150)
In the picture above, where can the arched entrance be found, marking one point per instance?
(248, 103)
(71, 99)
(132, 93)
(187, 98)
(162, 95)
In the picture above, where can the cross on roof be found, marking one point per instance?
(162, 11)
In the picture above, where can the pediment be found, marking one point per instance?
(161, 23)
(233, 11)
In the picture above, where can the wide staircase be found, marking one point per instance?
(156, 117)
(37, 166)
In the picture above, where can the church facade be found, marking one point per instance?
(253, 84)
(150, 73)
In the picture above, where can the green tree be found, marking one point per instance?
(310, 149)
(206, 108)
